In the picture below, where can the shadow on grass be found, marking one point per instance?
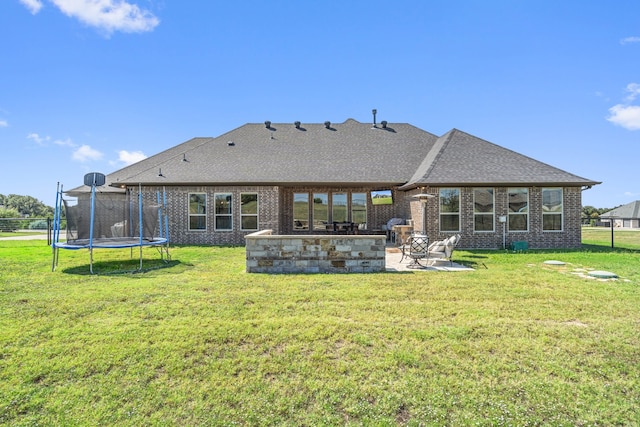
(606, 248)
(471, 263)
(470, 259)
(105, 268)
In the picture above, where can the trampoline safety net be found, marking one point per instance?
(115, 218)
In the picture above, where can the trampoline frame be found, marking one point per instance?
(161, 242)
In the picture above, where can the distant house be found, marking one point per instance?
(625, 216)
(299, 179)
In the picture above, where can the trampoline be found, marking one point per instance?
(110, 219)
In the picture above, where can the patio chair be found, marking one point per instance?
(403, 245)
(443, 249)
(418, 249)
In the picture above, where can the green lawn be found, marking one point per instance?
(200, 342)
(600, 236)
(21, 233)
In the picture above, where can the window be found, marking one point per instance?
(359, 208)
(314, 211)
(197, 211)
(320, 211)
(552, 209)
(518, 209)
(339, 207)
(300, 211)
(223, 218)
(449, 209)
(249, 211)
(483, 209)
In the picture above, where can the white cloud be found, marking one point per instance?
(130, 157)
(85, 153)
(65, 142)
(634, 91)
(4, 124)
(627, 116)
(40, 140)
(109, 15)
(34, 6)
(630, 40)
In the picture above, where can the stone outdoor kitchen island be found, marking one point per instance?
(268, 253)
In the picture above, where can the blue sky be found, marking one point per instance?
(91, 85)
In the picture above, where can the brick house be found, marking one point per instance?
(299, 179)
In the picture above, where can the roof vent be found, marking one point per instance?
(231, 143)
(297, 124)
(267, 124)
(184, 157)
(384, 124)
(327, 124)
(160, 172)
(374, 112)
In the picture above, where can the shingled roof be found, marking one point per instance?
(628, 211)
(349, 153)
(458, 158)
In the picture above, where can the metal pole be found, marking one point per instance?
(140, 218)
(93, 206)
(56, 212)
(504, 235)
(611, 223)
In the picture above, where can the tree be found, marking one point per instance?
(9, 225)
(26, 206)
(588, 211)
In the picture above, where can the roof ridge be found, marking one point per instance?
(430, 158)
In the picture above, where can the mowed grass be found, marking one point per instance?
(198, 341)
(601, 237)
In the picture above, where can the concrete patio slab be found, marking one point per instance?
(392, 263)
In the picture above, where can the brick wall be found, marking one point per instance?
(276, 213)
(569, 237)
(178, 213)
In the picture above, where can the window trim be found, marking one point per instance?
(247, 215)
(492, 213)
(334, 206)
(513, 214)
(560, 213)
(308, 214)
(326, 209)
(441, 214)
(199, 215)
(216, 215)
(363, 206)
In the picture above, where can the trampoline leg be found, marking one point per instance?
(91, 260)
(54, 259)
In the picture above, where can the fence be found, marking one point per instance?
(34, 226)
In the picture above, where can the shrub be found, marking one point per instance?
(40, 224)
